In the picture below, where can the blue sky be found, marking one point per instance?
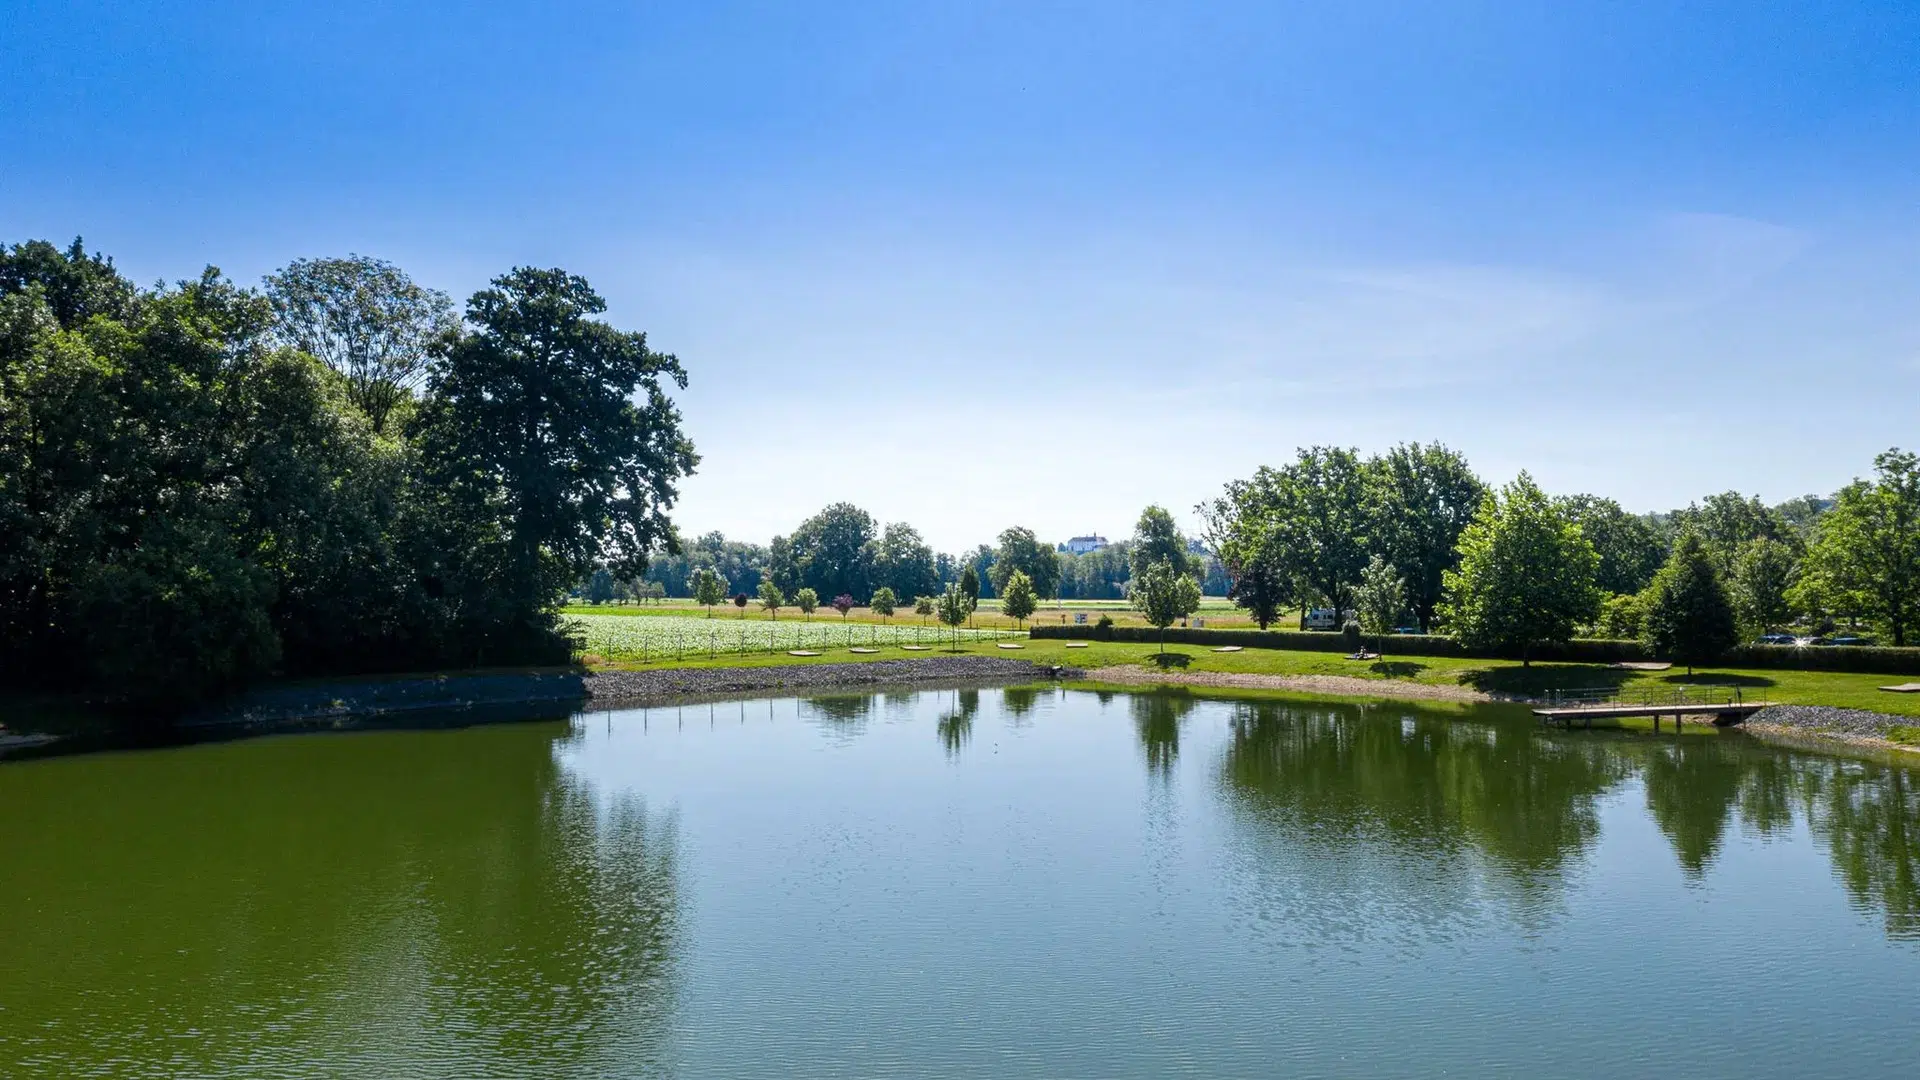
(977, 264)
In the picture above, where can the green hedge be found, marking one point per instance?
(1868, 660)
(1880, 661)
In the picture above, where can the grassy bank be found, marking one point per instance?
(1845, 690)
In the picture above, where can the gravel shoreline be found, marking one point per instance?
(607, 687)
(1848, 725)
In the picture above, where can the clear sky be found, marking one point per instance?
(979, 264)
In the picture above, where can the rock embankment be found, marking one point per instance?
(1827, 720)
(605, 687)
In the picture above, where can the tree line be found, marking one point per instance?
(202, 483)
(1414, 534)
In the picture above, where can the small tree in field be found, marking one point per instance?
(1163, 595)
(1379, 600)
(1017, 600)
(741, 600)
(708, 589)
(954, 607)
(807, 601)
(1689, 616)
(843, 604)
(970, 588)
(772, 599)
(882, 602)
(923, 606)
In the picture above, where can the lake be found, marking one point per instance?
(953, 883)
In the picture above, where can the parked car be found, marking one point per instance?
(1406, 630)
(1777, 639)
(1849, 639)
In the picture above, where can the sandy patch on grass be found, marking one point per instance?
(1344, 685)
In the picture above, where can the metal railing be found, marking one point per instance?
(1646, 695)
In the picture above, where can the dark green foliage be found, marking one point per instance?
(552, 432)
(1689, 617)
(1525, 577)
(1095, 575)
(1020, 551)
(1629, 548)
(1421, 498)
(830, 553)
(1157, 540)
(185, 506)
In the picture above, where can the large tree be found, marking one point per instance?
(1865, 557)
(1628, 546)
(1020, 550)
(1421, 499)
(1308, 518)
(1525, 577)
(1156, 539)
(1763, 577)
(831, 551)
(1689, 617)
(366, 319)
(900, 560)
(1728, 520)
(558, 427)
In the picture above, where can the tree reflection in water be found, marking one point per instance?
(955, 726)
(402, 904)
(1157, 717)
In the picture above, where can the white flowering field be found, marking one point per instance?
(670, 637)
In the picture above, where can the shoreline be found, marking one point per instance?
(1345, 686)
(463, 699)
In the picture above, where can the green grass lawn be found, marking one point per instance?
(1842, 689)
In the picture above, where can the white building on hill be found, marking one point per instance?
(1080, 545)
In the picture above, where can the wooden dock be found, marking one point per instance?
(1722, 705)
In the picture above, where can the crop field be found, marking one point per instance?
(669, 637)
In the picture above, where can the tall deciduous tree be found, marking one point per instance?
(1311, 517)
(1236, 527)
(1421, 498)
(1763, 574)
(558, 426)
(1629, 548)
(1689, 617)
(1525, 577)
(366, 319)
(1017, 600)
(1156, 539)
(1865, 556)
(831, 551)
(1020, 551)
(901, 561)
(1162, 595)
(1728, 520)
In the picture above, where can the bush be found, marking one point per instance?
(1102, 630)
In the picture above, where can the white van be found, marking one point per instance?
(1320, 618)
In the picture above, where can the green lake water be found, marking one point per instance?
(963, 884)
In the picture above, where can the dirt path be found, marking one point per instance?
(1343, 685)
